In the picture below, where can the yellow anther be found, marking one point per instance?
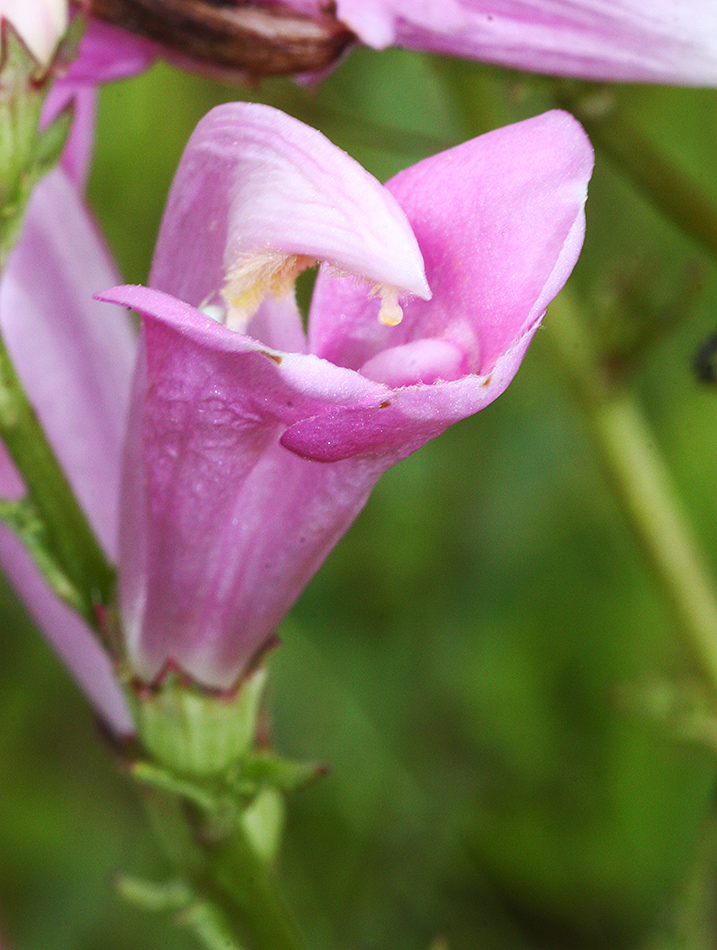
(390, 313)
(256, 275)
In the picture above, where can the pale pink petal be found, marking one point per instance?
(71, 638)
(500, 223)
(255, 182)
(672, 41)
(420, 361)
(74, 355)
(277, 324)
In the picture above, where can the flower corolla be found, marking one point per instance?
(250, 444)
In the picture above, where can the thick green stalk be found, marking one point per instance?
(226, 873)
(243, 885)
(642, 484)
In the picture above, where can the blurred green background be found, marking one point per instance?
(459, 661)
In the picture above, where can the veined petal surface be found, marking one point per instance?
(207, 489)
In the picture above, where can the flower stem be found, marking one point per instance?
(68, 535)
(244, 886)
(663, 182)
(642, 484)
(227, 873)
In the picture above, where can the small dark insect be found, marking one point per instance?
(257, 39)
(703, 362)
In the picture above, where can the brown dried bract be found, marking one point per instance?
(256, 39)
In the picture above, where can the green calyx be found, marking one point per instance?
(216, 803)
(194, 732)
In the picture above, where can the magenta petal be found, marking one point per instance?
(500, 223)
(393, 428)
(253, 181)
(77, 153)
(108, 53)
(74, 356)
(209, 407)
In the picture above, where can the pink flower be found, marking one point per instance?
(671, 41)
(251, 452)
(75, 358)
(251, 447)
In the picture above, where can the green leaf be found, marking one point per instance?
(154, 896)
(165, 781)
(266, 768)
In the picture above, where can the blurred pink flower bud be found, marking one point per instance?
(670, 41)
(39, 23)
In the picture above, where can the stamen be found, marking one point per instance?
(390, 313)
(256, 275)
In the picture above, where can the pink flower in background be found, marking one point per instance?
(75, 358)
(670, 41)
(250, 446)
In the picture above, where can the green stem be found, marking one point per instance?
(69, 535)
(642, 484)
(244, 885)
(663, 182)
(226, 873)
